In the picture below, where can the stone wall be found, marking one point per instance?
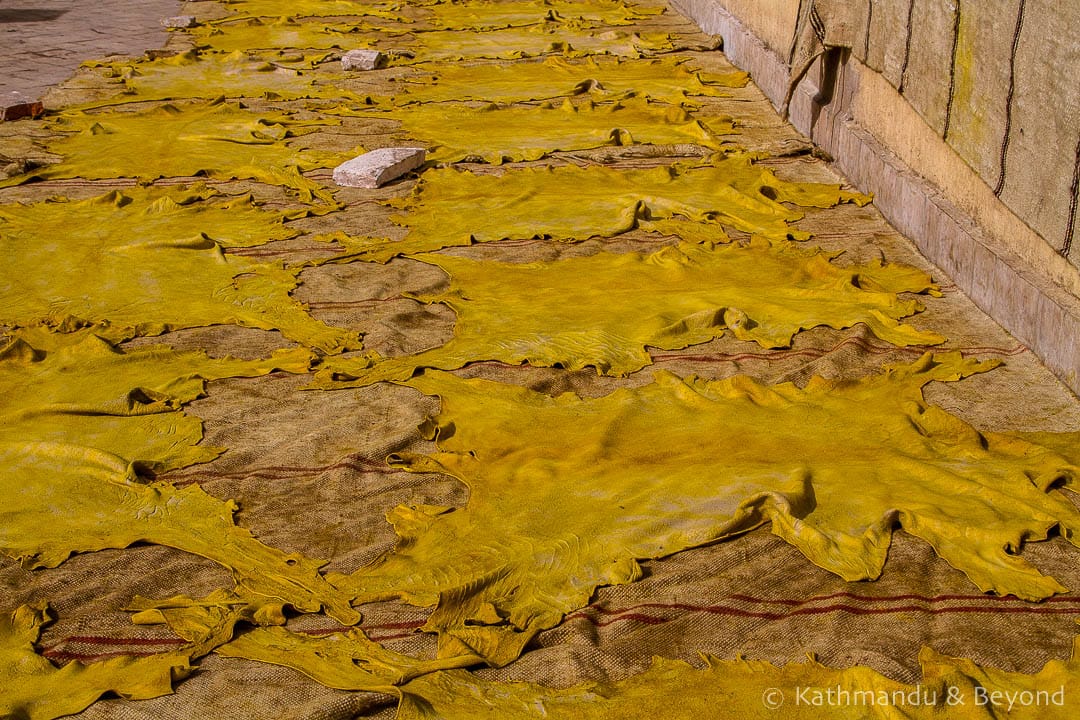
(962, 116)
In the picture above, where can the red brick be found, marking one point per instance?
(15, 108)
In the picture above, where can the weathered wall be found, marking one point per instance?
(773, 21)
(962, 116)
(995, 80)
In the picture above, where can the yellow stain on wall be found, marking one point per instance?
(450, 207)
(83, 417)
(604, 310)
(32, 688)
(672, 80)
(158, 265)
(554, 514)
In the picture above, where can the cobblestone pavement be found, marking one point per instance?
(42, 42)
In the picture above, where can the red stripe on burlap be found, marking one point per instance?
(986, 604)
(279, 472)
(815, 353)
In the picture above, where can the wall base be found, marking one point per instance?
(1017, 286)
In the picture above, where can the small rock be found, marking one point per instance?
(180, 21)
(158, 53)
(13, 168)
(378, 167)
(362, 60)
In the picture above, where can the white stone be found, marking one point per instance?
(362, 60)
(378, 167)
(180, 21)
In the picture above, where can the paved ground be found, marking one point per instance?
(43, 41)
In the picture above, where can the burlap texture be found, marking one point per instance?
(308, 470)
(926, 81)
(1043, 169)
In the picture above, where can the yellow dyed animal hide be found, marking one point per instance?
(533, 41)
(450, 207)
(218, 139)
(496, 14)
(605, 309)
(567, 494)
(32, 688)
(755, 690)
(158, 266)
(315, 8)
(79, 421)
(512, 133)
(672, 80)
(343, 661)
(207, 622)
(283, 34)
(208, 75)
